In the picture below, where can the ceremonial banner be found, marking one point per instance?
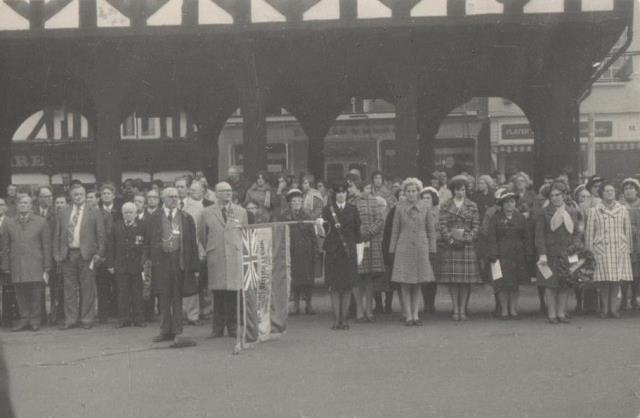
(266, 267)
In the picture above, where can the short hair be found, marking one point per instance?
(522, 175)
(411, 181)
(41, 188)
(142, 195)
(129, 205)
(152, 191)
(61, 196)
(158, 183)
(458, 183)
(434, 196)
(76, 186)
(605, 184)
(167, 190)
(25, 196)
(309, 178)
(560, 186)
(377, 173)
(108, 186)
(488, 180)
(181, 178)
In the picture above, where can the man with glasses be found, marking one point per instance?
(173, 252)
(46, 210)
(220, 235)
(153, 201)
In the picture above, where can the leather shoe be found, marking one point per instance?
(140, 324)
(35, 327)
(564, 320)
(87, 326)
(66, 327)
(162, 337)
(216, 335)
(20, 327)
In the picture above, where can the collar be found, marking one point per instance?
(168, 211)
(130, 223)
(108, 207)
(151, 211)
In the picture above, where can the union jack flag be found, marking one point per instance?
(250, 259)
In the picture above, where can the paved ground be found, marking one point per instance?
(480, 368)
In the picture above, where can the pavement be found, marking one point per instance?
(479, 368)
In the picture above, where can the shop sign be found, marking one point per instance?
(603, 129)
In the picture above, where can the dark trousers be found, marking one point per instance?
(107, 293)
(9, 305)
(225, 303)
(130, 303)
(429, 291)
(56, 295)
(29, 296)
(171, 306)
(79, 290)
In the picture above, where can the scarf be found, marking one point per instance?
(562, 217)
(308, 199)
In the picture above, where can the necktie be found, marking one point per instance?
(182, 204)
(170, 215)
(224, 213)
(72, 223)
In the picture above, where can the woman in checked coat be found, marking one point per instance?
(610, 238)
(413, 241)
(459, 225)
(372, 217)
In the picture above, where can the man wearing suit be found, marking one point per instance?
(221, 237)
(46, 210)
(173, 251)
(26, 244)
(79, 245)
(127, 255)
(106, 286)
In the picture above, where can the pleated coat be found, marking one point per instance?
(372, 217)
(413, 237)
(222, 243)
(610, 237)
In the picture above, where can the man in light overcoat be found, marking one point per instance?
(220, 234)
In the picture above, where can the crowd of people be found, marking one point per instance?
(175, 250)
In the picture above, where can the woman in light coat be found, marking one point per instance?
(610, 238)
(413, 241)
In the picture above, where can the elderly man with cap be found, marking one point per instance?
(173, 251)
(220, 234)
(631, 200)
(26, 244)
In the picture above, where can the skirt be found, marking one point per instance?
(458, 265)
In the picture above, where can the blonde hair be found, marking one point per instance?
(411, 181)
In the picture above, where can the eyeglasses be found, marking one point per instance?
(225, 190)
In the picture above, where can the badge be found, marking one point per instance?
(573, 258)
(139, 239)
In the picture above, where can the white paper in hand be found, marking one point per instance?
(360, 252)
(545, 270)
(496, 270)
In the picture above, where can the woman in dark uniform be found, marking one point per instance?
(303, 250)
(342, 226)
(508, 243)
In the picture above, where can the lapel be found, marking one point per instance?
(217, 211)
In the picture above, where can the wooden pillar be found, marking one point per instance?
(405, 85)
(556, 132)
(315, 156)
(105, 82)
(5, 160)
(426, 149)
(253, 93)
(208, 136)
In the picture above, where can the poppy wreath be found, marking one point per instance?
(584, 273)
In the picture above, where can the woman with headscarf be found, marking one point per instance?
(509, 245)
(342, 228)
(413, 243)
(610, 237)
(458, 263)
(556, 230)
(303, 250)
(631, 200)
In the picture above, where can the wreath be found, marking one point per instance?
(580, 273)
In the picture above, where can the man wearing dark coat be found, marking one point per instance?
(26, 244)
(175, 263)
(105, 282)
(127, 255)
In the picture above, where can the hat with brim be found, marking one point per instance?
(594, 180)
(341, 187)
(293, 193)
(428, 189)
(635, 183)
(504, 194)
